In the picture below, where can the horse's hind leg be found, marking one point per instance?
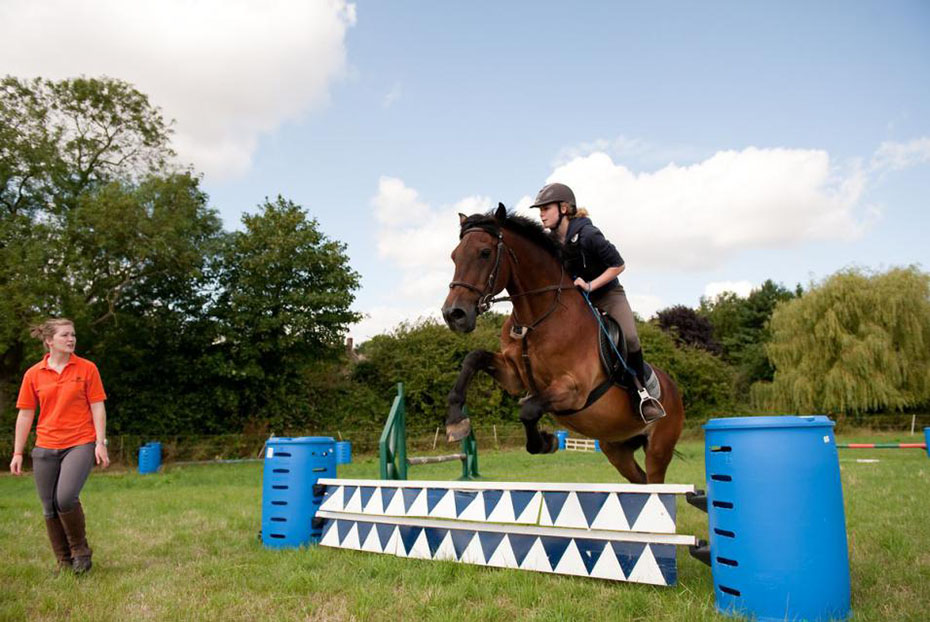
(620, 454)
(660, 450)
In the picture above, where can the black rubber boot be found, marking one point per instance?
(649, 408)
(73, 523)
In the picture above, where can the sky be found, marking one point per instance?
(716, 144)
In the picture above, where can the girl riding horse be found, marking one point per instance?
(548, 347)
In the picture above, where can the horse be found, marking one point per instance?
(548, 347)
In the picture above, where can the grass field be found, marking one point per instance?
(182, 545)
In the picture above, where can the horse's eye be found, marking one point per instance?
(485, 253)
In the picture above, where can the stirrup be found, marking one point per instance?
(645, 398)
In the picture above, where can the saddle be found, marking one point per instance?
(613, 367)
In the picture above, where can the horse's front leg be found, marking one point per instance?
(562, 394)
(457, 424)
(537, 441)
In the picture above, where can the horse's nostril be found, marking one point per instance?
(456, 314)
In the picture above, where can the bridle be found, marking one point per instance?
(486, 296)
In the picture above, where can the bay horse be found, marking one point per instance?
(548, 347)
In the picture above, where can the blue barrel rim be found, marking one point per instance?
(300, 440)
(769, 421)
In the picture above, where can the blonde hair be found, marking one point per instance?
(46, 330)
(580, 212)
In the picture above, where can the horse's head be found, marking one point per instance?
(480, 268)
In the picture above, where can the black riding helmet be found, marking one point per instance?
(556, 193)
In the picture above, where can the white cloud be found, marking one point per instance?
(385, 318)
(393, 95)
(645, 305)
(626, 149)
(695, 217)
(395, 203)
(418, 239)
(228, 72)
(896, 156)
(681, 218)
(740, 288)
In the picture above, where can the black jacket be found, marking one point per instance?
(587, 253)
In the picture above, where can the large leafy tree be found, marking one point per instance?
(688, 327)
(427, 357)
(284, 303)
(68, 149)
(740, 326)
(857, 342)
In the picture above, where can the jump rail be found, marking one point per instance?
(622, 532)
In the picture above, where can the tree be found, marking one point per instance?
(687, 326)
(856, 342)
(285, 292)
(427, 357)
(740, 325)
(64, 146)
(62, 138)
(704, 380)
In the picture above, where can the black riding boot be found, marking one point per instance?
(649, 408)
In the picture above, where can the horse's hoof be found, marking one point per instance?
(458, 431)
(550, 443)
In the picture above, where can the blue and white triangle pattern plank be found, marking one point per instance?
(611, 511)
(650, 512)
(640, 562)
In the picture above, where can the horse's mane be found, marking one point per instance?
(521, 225)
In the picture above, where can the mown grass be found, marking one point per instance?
(182, 545)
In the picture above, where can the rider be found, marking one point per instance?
(595, 263)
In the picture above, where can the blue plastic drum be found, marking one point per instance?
(149, 458)
(343, 452)
(292, 467)
(927, 440)
(561, 435)
(777, 526)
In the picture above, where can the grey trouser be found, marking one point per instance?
(615, 304)
(60, 474)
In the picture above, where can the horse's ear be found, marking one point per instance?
(462, 218)
(501, 213)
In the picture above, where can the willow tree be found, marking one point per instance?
(857, 342)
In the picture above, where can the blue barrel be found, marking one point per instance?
(777, 526)
(149, 458)
(597, 445)
(292, 467)
(343, 452)
(561, 435)
(927, 440)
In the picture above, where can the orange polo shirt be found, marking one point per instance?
(64, 401)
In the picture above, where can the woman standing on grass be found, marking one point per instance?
(70, 436)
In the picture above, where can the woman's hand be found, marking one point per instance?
(100, 453)
(16, 464)
(583, 285)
